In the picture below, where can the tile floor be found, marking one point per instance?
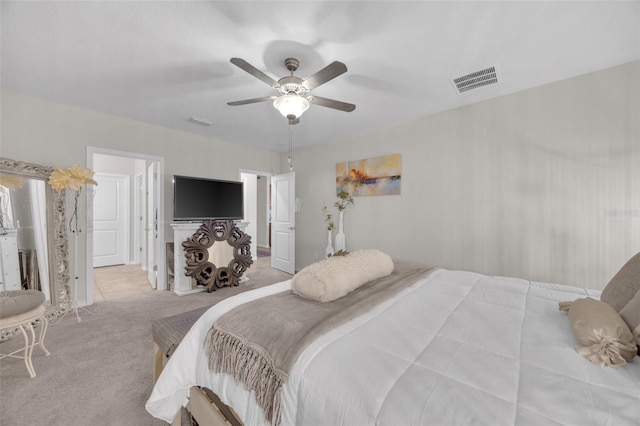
(112, 282)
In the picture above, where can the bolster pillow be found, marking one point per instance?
(605, 337)
(631, 315)
(333, 278)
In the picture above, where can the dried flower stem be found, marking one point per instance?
(328, 217)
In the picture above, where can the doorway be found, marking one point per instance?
(143, 239)
(275, 224)
(257, 210)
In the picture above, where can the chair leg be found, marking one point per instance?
(27, 352)
(43, 332)
(31, 345)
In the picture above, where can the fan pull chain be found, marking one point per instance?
(290, 147)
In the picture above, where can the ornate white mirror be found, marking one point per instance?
(33, 234)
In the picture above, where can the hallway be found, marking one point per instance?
(113, 282)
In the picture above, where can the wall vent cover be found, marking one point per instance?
(476, 79)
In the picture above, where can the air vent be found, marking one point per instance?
(476, 79)
(200, 121)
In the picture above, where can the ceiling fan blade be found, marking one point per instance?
(241, 63)
(251, 101)
(327, 73)
(331, 103)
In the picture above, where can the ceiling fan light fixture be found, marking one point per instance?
(291, 105)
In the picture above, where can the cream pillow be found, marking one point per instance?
(631, 315)
(624, 285)
(606, 339)
(333, 278)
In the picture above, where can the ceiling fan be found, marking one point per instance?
(294, 97)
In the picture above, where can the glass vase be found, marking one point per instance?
(329, 250)
(340, 237)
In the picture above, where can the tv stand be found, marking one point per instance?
(222, 253)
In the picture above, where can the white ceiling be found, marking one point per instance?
(163, 62)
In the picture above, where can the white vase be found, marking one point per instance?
(329, 250)
(341, 243)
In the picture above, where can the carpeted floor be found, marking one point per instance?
(264, 251)
(100, 371)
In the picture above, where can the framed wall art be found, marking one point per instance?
(371, 176)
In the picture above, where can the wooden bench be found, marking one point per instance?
(167, 334)
(204, 406)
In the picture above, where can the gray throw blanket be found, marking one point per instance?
(259, 341)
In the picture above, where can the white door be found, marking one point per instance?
(110, 220)
(283, 222)
(152, 223)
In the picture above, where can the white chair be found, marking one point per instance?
(20, 309)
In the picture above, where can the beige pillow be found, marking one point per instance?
(631, 315)
(624, 285)
(337, 276)
(606, 339)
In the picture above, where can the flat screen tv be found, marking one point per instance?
(199, 199)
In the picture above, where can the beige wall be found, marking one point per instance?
(53, 134)
(542, 184)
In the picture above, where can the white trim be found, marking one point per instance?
(137, 211)
(160, 260)
(254, 172)
(268, 175)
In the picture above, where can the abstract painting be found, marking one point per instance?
(371, 176)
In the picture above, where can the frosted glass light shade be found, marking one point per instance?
(291, 105)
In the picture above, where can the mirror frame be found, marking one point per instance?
(57, 241)
(196, 249)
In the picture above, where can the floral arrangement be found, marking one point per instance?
(72, 178)
(328, 217)
(344, 199)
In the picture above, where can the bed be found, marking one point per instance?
(452, 348)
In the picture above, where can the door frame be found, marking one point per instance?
(257, 173)
(153, 250)
(138, 203)
(160, 260)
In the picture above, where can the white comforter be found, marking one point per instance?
(454, 348)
